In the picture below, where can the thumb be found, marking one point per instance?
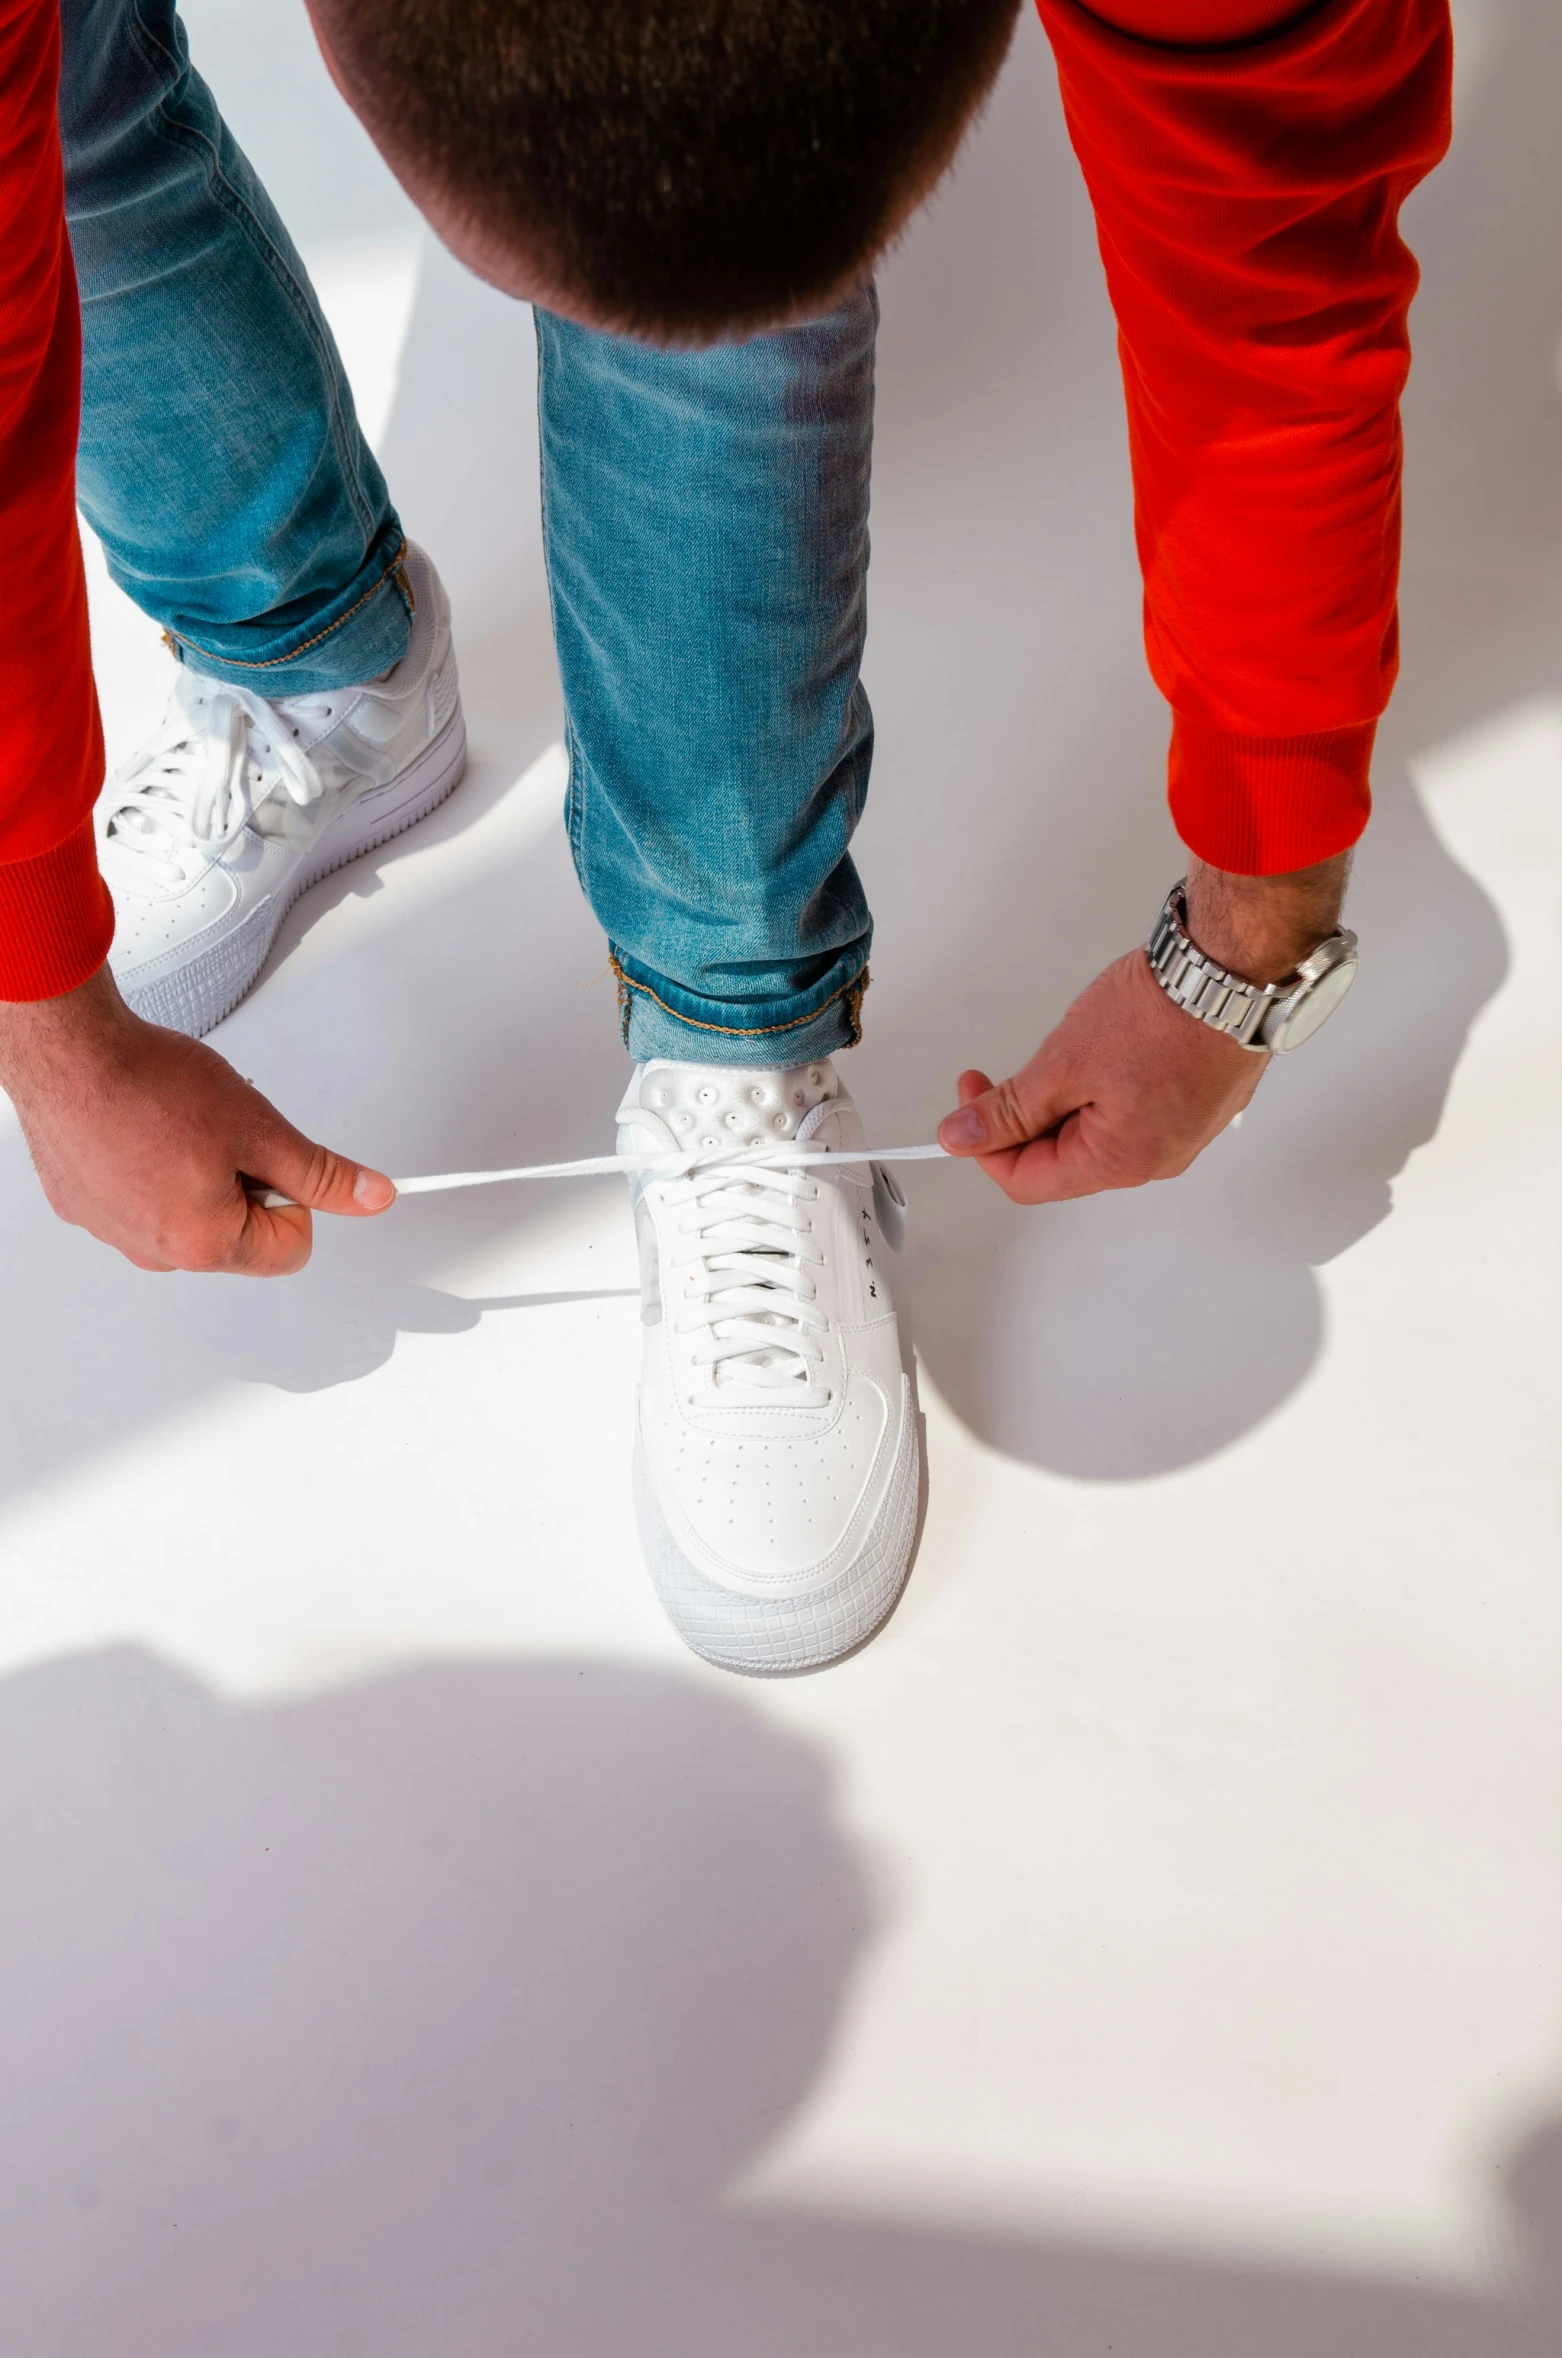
(290, 1170)
(995, 1115)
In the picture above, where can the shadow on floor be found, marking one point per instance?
(436, 2015)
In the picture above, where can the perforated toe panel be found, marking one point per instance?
(797, 1632)
(718, 1105)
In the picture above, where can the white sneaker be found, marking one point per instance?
(208, 835)
(776, 1469)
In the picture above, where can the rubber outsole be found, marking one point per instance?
(196, 997)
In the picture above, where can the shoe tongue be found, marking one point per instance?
(715, 1105)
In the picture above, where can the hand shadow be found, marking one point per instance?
(305, 1338)
(441, 2013)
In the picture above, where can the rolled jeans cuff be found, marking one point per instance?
(363, 633)
(658, 1019)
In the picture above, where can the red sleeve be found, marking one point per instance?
(56, 919)
(1247, 200)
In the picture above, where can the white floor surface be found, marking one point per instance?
(1152, 1946)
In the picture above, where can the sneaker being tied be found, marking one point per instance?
(210, 832)
(777, 1459)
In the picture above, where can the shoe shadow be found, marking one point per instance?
(447, 2012)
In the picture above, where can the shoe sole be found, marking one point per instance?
(762, 1637)
(195, 997)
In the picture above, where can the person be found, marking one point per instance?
(692, 198)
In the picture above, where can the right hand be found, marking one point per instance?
(146, 1139)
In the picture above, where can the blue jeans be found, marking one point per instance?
(705, 522)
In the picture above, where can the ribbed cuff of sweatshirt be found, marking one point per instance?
(56, 919)
(1265, 806)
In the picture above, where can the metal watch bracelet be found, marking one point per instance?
(1268, 1018)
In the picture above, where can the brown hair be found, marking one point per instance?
(685, 165)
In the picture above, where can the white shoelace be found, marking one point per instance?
(198, 783)
(747, 1285)
(665, 1166)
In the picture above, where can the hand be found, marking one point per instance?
(1129, 1087)
(146, 1138)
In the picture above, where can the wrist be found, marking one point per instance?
(1260, 927)
(41, 1037)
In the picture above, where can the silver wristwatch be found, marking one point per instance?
(1262, 1016)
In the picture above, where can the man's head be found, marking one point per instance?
(675, 167)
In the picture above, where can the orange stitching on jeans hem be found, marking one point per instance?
(273, 662)
(851, 991)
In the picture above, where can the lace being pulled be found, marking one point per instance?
(674, 1164)
(221, 752)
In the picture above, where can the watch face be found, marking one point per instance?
(1300, 1015)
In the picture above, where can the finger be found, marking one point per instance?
(1051, 1170)
(994, 1116)
(1091, 1153)
(317, 1179)
(964, 1132)
(971, 1087)
(273, 1242)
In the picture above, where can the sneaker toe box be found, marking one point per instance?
(773, 1555)
(153, 926)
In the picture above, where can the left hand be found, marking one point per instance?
(1130, 1087)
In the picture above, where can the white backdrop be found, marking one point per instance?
(1153, 1945)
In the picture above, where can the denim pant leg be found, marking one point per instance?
(706, 523)
(221, 462)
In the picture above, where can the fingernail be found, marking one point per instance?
(961, 1129)
(373, 1191)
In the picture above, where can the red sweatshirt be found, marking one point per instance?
(1246, 198)
(55, 917)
